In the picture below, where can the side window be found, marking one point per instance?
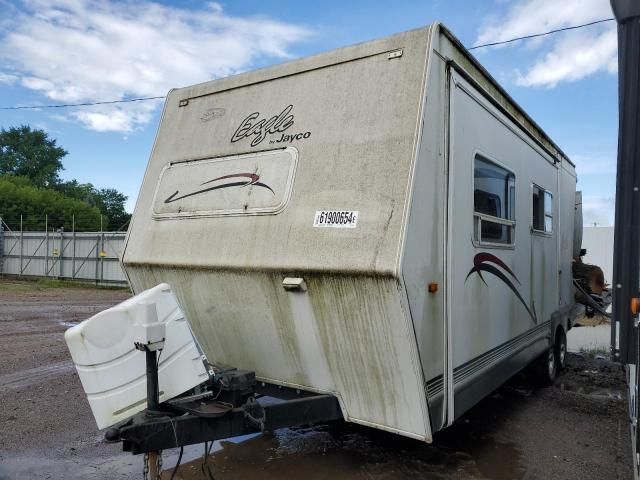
(542, 218)
(494, 203)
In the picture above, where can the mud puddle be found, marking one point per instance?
(28, 377)
(576, 429)
(76, 464)
(342, 451)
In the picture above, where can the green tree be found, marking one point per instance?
(108, 200)
(77, 190)
(19, 198)
(28, 159)
(111, 203)
(31, 153)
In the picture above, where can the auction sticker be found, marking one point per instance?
(336, 218)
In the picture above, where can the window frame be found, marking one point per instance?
(510, 207)
(543, 214)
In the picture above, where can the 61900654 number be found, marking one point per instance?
(336, 218)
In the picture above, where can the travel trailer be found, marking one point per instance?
(381, 224)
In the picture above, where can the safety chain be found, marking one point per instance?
(159, 464)
(145, 467)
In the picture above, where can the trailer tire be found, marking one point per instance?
(561, 349)
(546, 367)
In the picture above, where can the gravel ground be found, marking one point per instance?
(574, 430)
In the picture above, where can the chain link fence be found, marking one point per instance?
(55, 253)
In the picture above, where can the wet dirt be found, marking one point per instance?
(47, 430)
(575, 430)
(569, 431)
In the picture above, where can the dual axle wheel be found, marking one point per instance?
(553, 360)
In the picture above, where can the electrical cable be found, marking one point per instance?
(175, 469)
(207, 471)
(525, 37)
(85, 104)
(144, 99)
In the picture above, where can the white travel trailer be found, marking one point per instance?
(382, 223)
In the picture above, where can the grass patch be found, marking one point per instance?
(8, 284)
(593, 351)
(12, 286)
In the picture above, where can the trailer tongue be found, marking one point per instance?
(239, 406)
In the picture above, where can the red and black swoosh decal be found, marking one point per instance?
(253, 179)
(486, 262)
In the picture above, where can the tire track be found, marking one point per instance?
(26, 378)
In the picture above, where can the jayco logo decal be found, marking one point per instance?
(483, 261)
(252, 179)
(258, 129)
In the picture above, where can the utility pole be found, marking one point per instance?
(626, 257)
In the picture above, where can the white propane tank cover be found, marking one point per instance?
(112, 371)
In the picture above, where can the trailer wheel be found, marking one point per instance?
(546, 367)
(561, 349)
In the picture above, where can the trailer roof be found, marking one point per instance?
(500, 95)
(463, 58)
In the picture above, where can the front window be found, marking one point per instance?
(494, 203)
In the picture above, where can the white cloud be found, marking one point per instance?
(89, 50)
(121, 119)
(528, 17)
(598, 210)
(563, 57)
(573, 57)
(35, 83)
(8, 79)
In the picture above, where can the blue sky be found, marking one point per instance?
(68, 51)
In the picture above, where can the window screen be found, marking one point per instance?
(542, 215)
(494, 202)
